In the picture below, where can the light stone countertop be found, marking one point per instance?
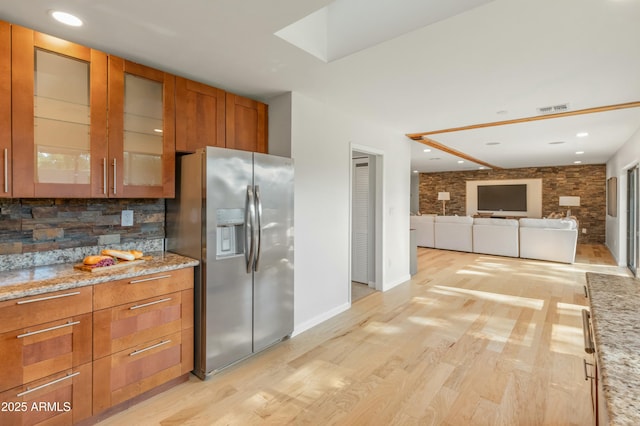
(615, 316)
(43, 279)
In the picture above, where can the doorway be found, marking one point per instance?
(365, 223)
(633, 235)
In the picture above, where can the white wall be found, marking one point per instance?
(626, 157)
(321, 139)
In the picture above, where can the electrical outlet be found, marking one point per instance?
(127, 218)
(584, 230)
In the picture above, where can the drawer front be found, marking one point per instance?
(139, 288)
(131, 372)
(28, 311)
(31, 353)
(124, 326)
(60, 399)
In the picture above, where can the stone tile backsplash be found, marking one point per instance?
(35, 232)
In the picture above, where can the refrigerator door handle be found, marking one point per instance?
(249, 220)
(258, 228)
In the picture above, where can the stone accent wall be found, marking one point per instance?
(38, 225)
(588, 182)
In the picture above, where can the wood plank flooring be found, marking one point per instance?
(470, 340)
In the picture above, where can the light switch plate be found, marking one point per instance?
(127, 218)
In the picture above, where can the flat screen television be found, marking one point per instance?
(512, 198)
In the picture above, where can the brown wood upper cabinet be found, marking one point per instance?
(5, 109)
(200, 116)
(59, 128)
(246, 124)
(141, 131)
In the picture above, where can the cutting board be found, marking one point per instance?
(120, 265)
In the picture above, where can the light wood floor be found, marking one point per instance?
(470, 340)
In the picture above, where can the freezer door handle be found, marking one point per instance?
(249, 226)
(258, 228)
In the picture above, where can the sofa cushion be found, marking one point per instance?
(495, 221)
(549, 223)
(454, 219)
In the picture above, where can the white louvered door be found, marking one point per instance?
(360, 222)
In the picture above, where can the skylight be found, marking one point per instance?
(345, 27)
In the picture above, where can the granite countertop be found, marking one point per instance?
(615, 309)
(43, 279)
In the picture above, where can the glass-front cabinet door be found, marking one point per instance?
(59, 117)
(141, 131)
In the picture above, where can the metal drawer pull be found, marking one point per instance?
(586, 331)
(144, 305)
(164, 342)
(586, 373)
(149, 279)
(44, 330)
(23, 302)
(68, 376)
(586, 293)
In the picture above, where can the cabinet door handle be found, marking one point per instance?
(115, 177)
(104, 176)
(44, 330)
(142, 280)
(586, 292)
(144, 305)
(53, 382)
(6, 172)
(41, 299)
(586, 332)
(164, 342)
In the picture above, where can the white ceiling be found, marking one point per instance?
(495, 61)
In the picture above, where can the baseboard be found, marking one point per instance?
(392, 284)
(319, 319)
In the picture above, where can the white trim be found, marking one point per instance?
(402, 280)
(320, 318)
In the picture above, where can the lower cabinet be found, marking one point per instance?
(61, 362)
(143, 337)
(63, 398)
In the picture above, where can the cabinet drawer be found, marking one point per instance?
(131, 372)
(60, 399)
(34, 352)
(124, 326)
(28, 311)
(143, 287)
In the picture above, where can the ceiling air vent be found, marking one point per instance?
(553, 109)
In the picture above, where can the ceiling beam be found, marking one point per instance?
(418, 136)
(444, 148)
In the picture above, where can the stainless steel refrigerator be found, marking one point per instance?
(234, 212)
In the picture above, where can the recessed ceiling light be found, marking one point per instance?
(415, 171)
(579, 152)
(582, 134)
(577, 162)
(460, 161)
(66, 18)
(492, 143)
(481, 168)
(556, 143)
(427, 150)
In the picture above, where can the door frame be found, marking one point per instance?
(376, 162)
(632, 195)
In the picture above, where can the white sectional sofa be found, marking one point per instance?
(554, 240)
(549, 239)
(496, 236)
(454, 233)
(424, 226)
